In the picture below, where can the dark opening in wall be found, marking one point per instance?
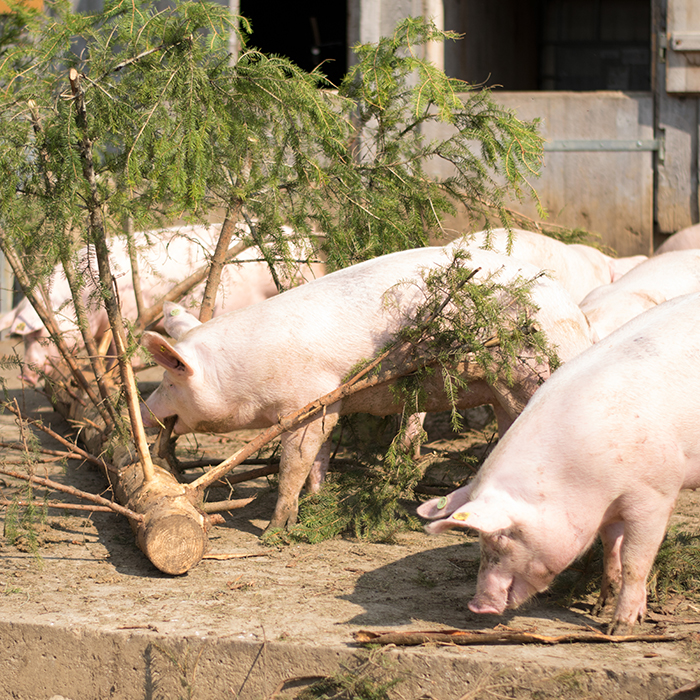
(596, 45)
(551, 44)
(309, 32)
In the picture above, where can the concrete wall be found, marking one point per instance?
(677, 111)
(605, 192)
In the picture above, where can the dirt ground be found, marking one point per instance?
(87, 616)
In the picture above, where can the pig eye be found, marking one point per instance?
(500, 542)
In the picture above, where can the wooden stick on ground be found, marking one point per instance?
(469, 637)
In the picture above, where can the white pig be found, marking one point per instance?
(165, 258)
(604, 447)
(656, 280)
(684, 239)
(248, 368)
(578, 268)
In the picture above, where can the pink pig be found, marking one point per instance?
(603, 448)
(166, 257)
(656, 280)
(578, 268)
(685, 239)
(248, 368)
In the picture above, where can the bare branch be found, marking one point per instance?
(134, 260)
(76, 451)
(217, 263)
(108, 282)
(48, 483)
(62, 506)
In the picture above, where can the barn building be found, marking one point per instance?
(615, 83)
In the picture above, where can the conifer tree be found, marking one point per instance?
(139, 114)
(176, 129)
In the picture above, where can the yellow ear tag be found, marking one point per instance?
(175, 312)
(442, 502)
(163, 348)
(460, 516)
(21, 326)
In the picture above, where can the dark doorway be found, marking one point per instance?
(596, 45)
(310, 32)
(551, 44)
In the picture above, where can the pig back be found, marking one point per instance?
(577, 268)
(684, 239)
(296, 346)
(653, 282)
(623, 413)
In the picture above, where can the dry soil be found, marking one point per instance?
(86, 616)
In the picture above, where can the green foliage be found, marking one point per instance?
(364, 502)
(386, 199)
(365, 682)
(26, 513)
(488, 323)
(677, 566)
(175, 127)
(20, 525)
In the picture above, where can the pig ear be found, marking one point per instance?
(442, 507)
(477, 515)
(24, 319)
(165, 354)
(177, 320)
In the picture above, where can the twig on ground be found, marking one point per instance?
(468, 637)
(243, 555)
(210, 507)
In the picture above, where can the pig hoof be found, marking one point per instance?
(599, 607)
(618, 628)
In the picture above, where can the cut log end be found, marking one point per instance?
(174, 542)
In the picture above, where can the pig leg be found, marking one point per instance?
(641, 542)
(299, 450)
(319, 468)
(411, 438)
(611, 537)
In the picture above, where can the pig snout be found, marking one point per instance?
(488, 603)
(493, 587)
(497, 592)
(151, 419)
(147, 418)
